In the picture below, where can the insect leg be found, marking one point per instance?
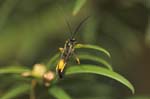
(61, 50)
(76, 57)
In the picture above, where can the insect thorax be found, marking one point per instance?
(68, 48)
(71, 42)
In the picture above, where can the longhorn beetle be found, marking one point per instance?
(68, 49)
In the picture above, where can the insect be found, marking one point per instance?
(68, 50)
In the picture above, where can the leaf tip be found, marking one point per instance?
(133, 90)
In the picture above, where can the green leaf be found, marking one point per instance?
(58, 93)
(100, 71)
(79, 4)
(93, 47)
(13, 69)
(97, 59)
(16, 91)
(52, 60)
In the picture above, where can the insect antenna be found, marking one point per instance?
(69, 27)
(78, 27)
(66, 20)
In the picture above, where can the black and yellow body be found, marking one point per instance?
(68, 50)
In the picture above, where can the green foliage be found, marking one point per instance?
(93, 47)
(101, 71)
(96, 59)
(53, 60)
(58, 93)
(16, 91)
(32, 30)
(78, 6)
(13, 69)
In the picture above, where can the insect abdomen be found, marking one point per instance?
(60, 67)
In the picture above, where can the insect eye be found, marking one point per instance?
(73, 40)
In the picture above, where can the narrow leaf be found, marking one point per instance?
(13, 69)
(93, 47)
(59, 93)
(100, 71)
(16, 91)
(96, 59)
(79, 4)
(52, 60)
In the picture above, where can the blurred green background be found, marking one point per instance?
(31, 31)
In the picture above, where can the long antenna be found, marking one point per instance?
(66, 20)
(69, 26)
(78, 27)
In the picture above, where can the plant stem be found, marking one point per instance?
(32, 93)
